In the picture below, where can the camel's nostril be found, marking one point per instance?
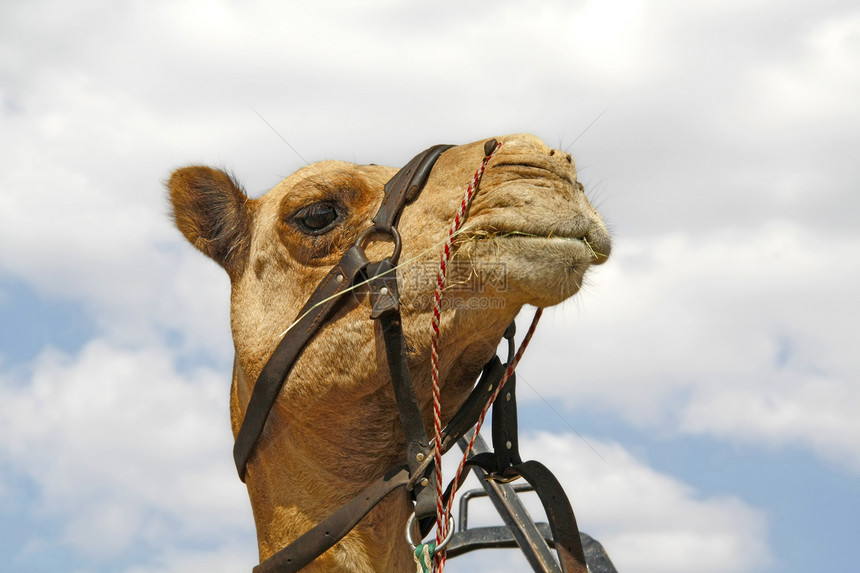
(551, 152)
(568, 157)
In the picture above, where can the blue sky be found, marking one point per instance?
(709, 363)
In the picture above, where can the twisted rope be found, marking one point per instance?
(441, 520)
(423, 556)
(508, 372)
(440, 555)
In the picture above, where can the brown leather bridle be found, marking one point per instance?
(416, 474)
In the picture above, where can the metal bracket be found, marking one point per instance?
(520, 530)
(518, 522)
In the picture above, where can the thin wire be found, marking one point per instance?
(560, 417)
(587, 127)
(281, 136)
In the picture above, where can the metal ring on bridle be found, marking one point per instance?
(374, 230)
(439, 547)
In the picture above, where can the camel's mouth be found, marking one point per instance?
(580, 248)
(541, 269)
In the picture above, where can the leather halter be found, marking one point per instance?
(504, 465)
(402, 188)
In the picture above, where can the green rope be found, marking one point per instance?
(423, 556)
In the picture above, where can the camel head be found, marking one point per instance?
(529, 238)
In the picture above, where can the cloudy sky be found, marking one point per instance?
(699, 399)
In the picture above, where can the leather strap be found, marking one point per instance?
(324, 535)
(312, 317)
(465, 418)
(404, 393)
(385, 301)
(562, 521)
(559, 513)
(405, 186)
(505, 432)
(401, 189)
(417, 446)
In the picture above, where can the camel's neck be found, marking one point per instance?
(334, 430)
(307, 466)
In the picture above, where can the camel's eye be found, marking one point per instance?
(317, 218)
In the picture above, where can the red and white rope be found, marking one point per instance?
(440, 556)
(443, 512)
(508, 372)
(441, 521)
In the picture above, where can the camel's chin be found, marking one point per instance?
(540, 271)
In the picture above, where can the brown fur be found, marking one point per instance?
(334, 428)
(209, 208)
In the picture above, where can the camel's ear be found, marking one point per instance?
(213, 213)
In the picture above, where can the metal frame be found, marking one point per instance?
(519, 529)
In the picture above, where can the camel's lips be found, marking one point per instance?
(581, 248)
(496, 233)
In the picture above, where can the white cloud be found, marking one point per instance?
(739, 334)
(89, 138)
(129, 453)
(646, 521)
(727, 153)
(812, 409)
(229, 558)
(84, 209)
(125, 451)
(819, 86)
